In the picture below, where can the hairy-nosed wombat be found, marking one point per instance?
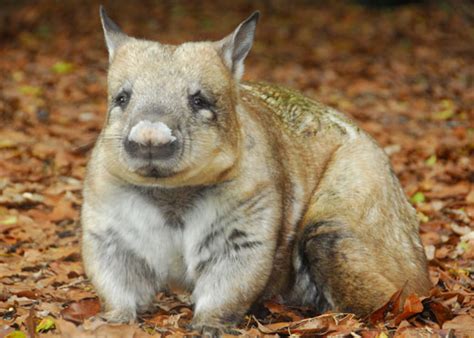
(238, 192)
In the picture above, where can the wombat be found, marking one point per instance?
(238, 192)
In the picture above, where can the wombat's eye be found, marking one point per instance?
(122, 99)
(198, 101)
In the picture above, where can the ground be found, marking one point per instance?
(406, 74)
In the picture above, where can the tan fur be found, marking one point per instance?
(332, 210)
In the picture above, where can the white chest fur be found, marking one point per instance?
(171, 251)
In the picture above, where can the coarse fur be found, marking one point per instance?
(261, 192)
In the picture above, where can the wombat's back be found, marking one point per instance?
(296, 113)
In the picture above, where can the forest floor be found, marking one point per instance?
(406, 75)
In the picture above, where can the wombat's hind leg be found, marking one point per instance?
(343, 269)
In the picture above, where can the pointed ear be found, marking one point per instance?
(235, 47)
(114, 37)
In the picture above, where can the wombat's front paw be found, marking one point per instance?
(119, 316)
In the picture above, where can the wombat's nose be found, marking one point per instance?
(150, 140)
(150, 151)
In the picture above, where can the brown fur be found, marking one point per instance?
(324, 219)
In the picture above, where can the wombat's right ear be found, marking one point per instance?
(114, 37)
(235, 47)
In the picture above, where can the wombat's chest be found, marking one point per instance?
(168, 239)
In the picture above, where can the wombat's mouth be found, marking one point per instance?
(154, 172)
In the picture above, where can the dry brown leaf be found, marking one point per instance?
(317, 325)
(444, 191)
(440, 312)
(68, 329)
(470, 196)
(7, 270)
(411, 307)
(462, 325)
(30, 322)
(392, 306)
(77, 312)
(63, 210)
(279, 309)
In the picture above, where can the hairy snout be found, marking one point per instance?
(150, 140)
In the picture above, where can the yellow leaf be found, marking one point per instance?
(431, 161)
(447, 110)
(149, 330)
(464, 246)
(16, 334)
(9, 220)
(459, 272)
(418, 197)
(422, 217)
(46, 324)
(18, 76)
(31, 90)
(7, 144)
(62, 67)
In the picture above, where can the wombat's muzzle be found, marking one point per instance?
(151, 141)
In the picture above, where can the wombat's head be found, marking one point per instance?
(172, 109)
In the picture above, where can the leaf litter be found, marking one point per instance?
(405, 74)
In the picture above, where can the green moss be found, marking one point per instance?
(299, 113)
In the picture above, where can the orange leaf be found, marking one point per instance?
(440, 312)
(411, 307)
(63, 210)
(77, 312)
(462, 325)
(277, 308)
(392, 306)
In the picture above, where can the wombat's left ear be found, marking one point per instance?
(114, 37)
(235, 47)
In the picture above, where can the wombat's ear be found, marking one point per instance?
(235, 47)
(114, 36)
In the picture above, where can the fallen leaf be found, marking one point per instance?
(447, 110)
(317, 325)
(4, 144)
(411, 307)
(31, 90)
(63, 210)
(470, 196)
(9, 220)
(77, 312)
(279, 309)
(460, 230)
(68, 329)
(392, 306)
(30, 322)
(16, 334)
(418, 197)
(309, 326)
(62, 67)
(439, 311)
(430, 252)
(431, 161)
(45, 325)
(462, 325)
